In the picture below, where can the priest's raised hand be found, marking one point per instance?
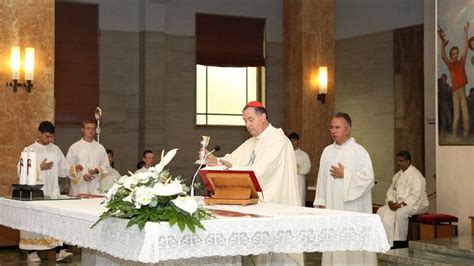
(337, 172)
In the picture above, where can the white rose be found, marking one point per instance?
(170, 189)
(187, 204)
(129, 181)
(144, 177)
(143, 196)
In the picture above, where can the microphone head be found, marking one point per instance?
(216, 148)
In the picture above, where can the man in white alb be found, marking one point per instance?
(52, 164)
(148, 161)
(406, 197)
(303, 165)
(270, 155)
(87, 160)
(345, 180)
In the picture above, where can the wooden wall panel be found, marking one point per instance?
(409, 93)
(77, 62)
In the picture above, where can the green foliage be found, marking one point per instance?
(120, 203)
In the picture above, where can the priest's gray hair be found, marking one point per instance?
(344, 116)
(258, 110)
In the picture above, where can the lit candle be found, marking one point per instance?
(29, 63)
(15, 62)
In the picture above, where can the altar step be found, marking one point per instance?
(441, 251)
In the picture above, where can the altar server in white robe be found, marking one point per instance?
(87, 160)
(51, 165)
(148, 161)
(344, 182)
(112, 175)
(303, 165)
(270, 155)
(406, 197)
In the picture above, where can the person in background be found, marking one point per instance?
(303, 165)
(406, 197)
(148, 161)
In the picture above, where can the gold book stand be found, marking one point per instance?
(231, 187)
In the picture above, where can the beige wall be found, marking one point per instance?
(24, 23)
(147, 94)
(454, 164)
(364, 90)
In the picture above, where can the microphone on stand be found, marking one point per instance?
(216, 148)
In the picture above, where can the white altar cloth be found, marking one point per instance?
(278, 228)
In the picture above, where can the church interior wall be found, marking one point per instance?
(25, 24)
(129, 32)
(454, 164)
(137, 106)
(147, 79)
(364, 89)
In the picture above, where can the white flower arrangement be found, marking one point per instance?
(154, 196)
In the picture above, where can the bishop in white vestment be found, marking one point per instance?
(270, 155)
(344, 182)
(88, 162)
(406, 197)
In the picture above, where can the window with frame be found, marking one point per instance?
(221, 92)
(230, 60)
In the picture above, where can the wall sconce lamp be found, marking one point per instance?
(29, 67)
(323, 83)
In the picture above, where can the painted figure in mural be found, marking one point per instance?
(470, 105)
(471, 47)
(458, 76)
(445, 106)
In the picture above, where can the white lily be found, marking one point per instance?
(128, 198)
(168, 189)
(111, 192)
(187, 204)
(165, 160)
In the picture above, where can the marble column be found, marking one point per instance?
(26, 24)
(308, 40)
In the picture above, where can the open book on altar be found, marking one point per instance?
(235, 187)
